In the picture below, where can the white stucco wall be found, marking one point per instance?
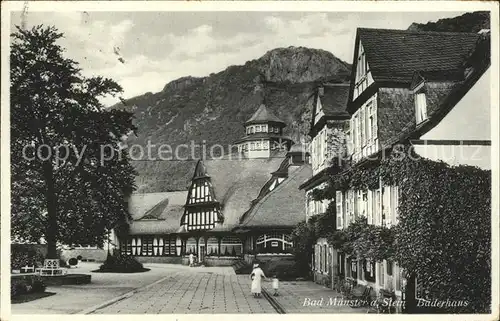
(469, 120)
(479, 156)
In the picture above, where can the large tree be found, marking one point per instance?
(70, 177)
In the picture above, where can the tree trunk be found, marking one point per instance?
(51, 199)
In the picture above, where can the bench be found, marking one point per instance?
(51, 268)
(27, 269)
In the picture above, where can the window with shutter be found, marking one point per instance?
(351, 135)
(362, 126)
(381, 274)
(373, 116)
(420, 107)
(338, 203)
(369, 214)
(377, 207)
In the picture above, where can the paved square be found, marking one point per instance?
(177, 289)
(191, 292)
(197, 291)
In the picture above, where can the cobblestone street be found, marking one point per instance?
(213, 292)
(178, 289)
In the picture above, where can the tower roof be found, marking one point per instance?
(264, 115)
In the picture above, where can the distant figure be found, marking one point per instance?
(191, 259)
(275, 285)
(257, 275)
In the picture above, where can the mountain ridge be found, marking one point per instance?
(212, 109)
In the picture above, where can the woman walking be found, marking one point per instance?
(257, 275)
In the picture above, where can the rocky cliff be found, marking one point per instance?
(469, 22)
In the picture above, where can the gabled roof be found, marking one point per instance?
(439, 75)
(333, 104)
(334, 99)
(394, 55)
(443, 92)
(263, 115)
(283, 206)
(156, 213)
(237, 182)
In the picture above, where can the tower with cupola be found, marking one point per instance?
(263, 135)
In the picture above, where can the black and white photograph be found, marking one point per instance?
(176, 158)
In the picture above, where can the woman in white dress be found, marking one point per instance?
(257, 275)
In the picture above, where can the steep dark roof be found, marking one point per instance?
(156, 213)
(237, 182)
(333, 104)
(394, 55)
(334, 99)
(264, 115)
(283, 206)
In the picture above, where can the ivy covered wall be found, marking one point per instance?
(444, 232)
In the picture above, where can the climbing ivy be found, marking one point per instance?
(444, 230)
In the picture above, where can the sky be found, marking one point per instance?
(158, 47)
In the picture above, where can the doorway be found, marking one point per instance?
(201, 253)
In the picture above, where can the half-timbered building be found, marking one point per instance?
(406, 87)
(236, 206)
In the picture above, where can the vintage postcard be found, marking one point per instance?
(238, 158)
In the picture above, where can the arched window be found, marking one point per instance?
(212, 246)
(231, 246)
(191, 246)
(274, 242)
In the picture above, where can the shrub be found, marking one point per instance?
(62, 263)
(26, 284)
(18, 287)
(79, 257)
(121, 264)
(73, 261)
(283, 269)
(38, 286)
(22, 255)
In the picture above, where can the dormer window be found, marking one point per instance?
(420, 107)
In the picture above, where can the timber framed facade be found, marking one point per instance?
(405, 87)
(236, 207)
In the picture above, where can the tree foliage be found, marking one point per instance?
(304, 237)
(56, 114)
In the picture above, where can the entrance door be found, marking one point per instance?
(201, 253)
